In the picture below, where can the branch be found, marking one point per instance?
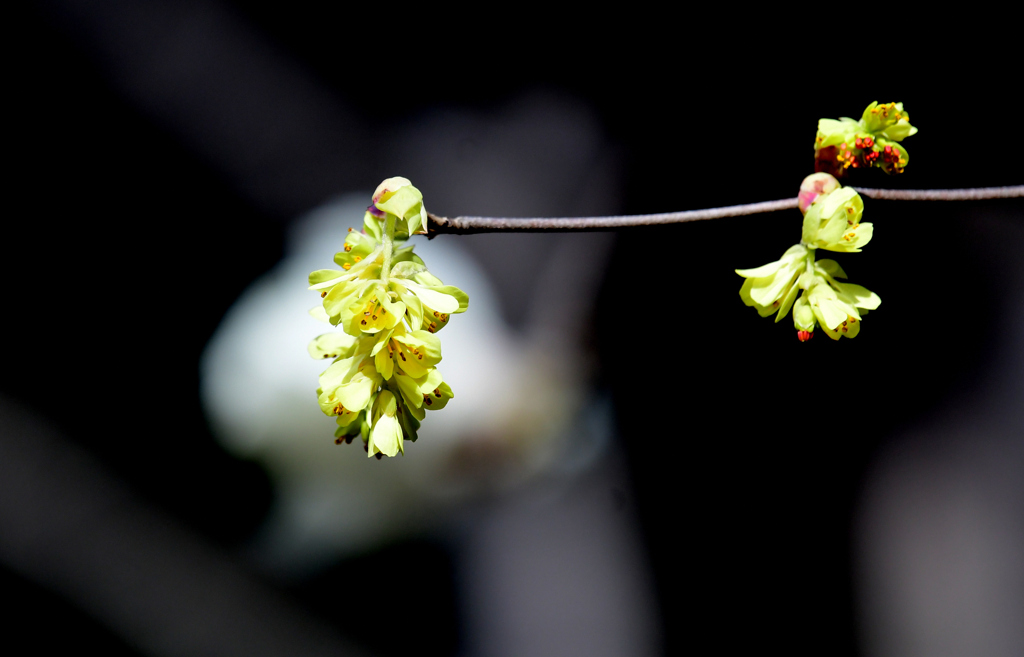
(469, 225)
(976, 194)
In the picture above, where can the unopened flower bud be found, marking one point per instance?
(398, 197)
(814, 186)
(387, 188)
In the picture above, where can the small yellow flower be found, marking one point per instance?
(833, 222)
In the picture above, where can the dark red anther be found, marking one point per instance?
(825, 162)
(804, 336)
(869, 142)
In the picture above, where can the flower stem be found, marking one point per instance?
(389, 235)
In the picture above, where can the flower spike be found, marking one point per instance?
(384, 372)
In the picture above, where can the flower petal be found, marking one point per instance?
(404, 203)
(787, 302)
(858, 295)
(332, 345)
(826, 306)
(762, 271)
(394, 310)
(386, 436)
(766, 291)
(763, 311)
(440, 301)
(318, 313)
(830, 268)
(803, 315)
(845, 196)
(437, 398)
(324, 278)
(407, 269)
(356, 393)
(425, 342)
(384, 364)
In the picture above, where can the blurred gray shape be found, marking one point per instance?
(280, 136)
(515, 414)
(940, 532)
(258, 387)
(559, 569)
(70, 527)
(541, 154)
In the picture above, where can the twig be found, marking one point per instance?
(976, 194)
(469, 225)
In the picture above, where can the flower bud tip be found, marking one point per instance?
(814, 186)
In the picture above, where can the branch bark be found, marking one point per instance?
(438, 225)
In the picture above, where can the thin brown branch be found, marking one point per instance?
(469, 225)
(976, 194)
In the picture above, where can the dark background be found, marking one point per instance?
(149, 192)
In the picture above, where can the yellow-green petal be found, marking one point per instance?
(441, 301)
(318, 313)
(763, 311)
(830, 268)
(323, 278)
(332, 345)
(407, 269)
(386, 434)
(437, 398)
(858, 295)
(826, 307)
(405, 202)
(762, 271)
(803, 315)
(787, 302)
(384, 364)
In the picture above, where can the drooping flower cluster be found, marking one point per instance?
(384, 376)
(871, 141)
(832, 221)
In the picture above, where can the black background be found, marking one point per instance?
(747, 448)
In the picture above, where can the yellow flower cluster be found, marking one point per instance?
(384, 376)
